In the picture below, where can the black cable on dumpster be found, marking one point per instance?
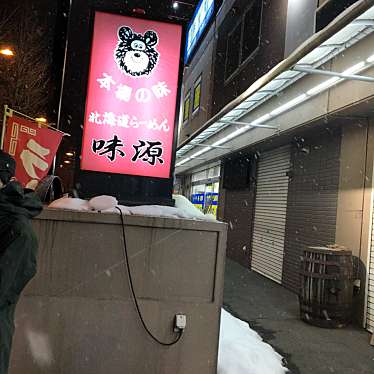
(126, 257)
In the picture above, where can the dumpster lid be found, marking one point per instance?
(329, 248)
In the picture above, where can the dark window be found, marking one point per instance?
(251, 30)
(329, 10)
(239, 172)
(186, 107)
(196, 95)
(243, 41)
(233, 50)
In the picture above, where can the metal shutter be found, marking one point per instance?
(270, 213)
(370, 301)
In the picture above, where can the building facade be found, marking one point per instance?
(296, 146)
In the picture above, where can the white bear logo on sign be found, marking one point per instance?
(135, 53)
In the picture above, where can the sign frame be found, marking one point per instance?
(129, 189)
(93, 10)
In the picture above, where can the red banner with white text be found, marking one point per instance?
(33, 147)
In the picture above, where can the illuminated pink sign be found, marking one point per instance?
(131, 98)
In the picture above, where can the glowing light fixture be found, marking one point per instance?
(261, 119)
(323, 86)
(290, 104)
(232, 135)
(355, 68)
(41, 119)
(180, 163)
(370, 59)
(334, 80)
(175, 5)
(7, 52)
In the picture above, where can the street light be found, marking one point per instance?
(176, 4)
(41, 119)
(7, 52)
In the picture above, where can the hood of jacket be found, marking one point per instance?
(14, 200)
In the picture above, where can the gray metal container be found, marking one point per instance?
(78, 317)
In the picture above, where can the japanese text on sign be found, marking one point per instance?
(203, 14)
(33, 148)
(131, 99)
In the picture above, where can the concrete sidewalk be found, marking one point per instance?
(273, 312)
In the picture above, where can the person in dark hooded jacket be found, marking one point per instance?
(18, 247)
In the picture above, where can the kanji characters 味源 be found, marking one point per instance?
(148, 151)
(110, 148)
(145, 150)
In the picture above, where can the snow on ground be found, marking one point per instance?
(108, 204)
(242, 350)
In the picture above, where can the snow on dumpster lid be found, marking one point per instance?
(183, 209)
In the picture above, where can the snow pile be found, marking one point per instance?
(185, 205)
(103, 202)
(242, 351)
(157, 211)
(70, 204)
(98, 203)
(108, 204)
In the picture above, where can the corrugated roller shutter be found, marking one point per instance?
(270, 213)
(370, 301)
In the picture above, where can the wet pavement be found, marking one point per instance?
(273, 312)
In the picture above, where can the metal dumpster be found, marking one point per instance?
(78, 317)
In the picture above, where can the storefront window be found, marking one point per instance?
(244, 39)
(205, 190)
(186, 107)
(199, 176)
(198, 189)
(196, 95)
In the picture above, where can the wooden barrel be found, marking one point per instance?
(326, 287)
